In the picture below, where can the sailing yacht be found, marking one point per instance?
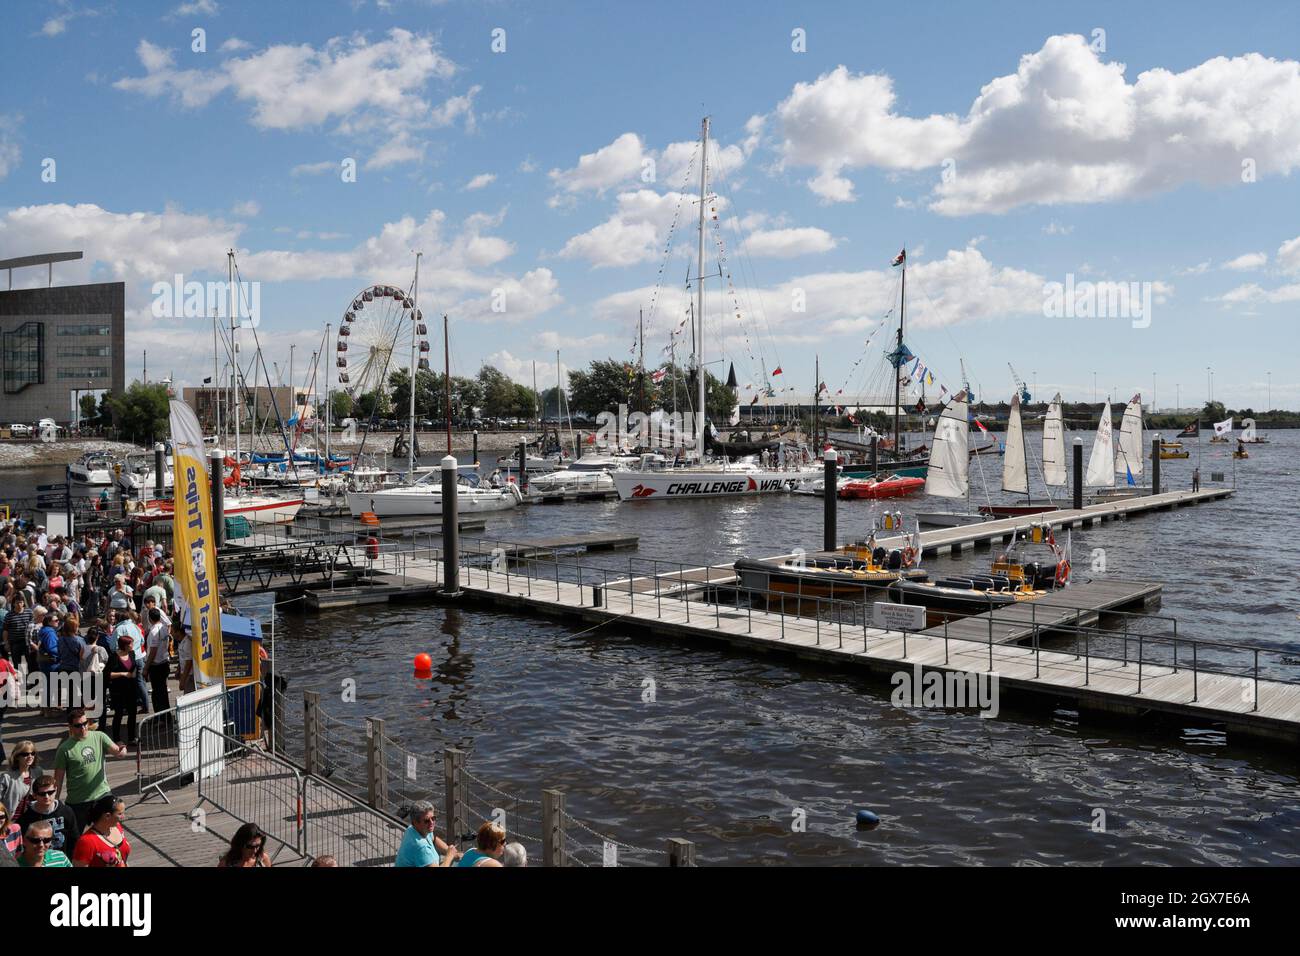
(705, 479)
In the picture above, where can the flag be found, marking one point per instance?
(1191, 431)
(900, 258)
(194, 545)
(754, 400)
(777, 370)
(980, 425)
(1222, 428)
(1129, 471)
(658, 376)
(208, 380)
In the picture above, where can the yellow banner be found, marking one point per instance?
(194, 544)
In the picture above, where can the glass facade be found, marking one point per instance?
(85, 330)
(85, 351)
(24, 357)
(66, 373)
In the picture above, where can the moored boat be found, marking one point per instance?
(894, 486)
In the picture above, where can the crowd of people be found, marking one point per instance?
(85, 622)
(97, 607)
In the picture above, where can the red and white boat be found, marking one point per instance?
(894, 486)
(263, 509)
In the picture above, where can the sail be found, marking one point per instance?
(949, 458)
(1101, 463)
(1129, 459)
(1054, 444)
(192, 536)
(1015, 474)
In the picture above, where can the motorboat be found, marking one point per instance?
(894, 486)
(424, 498)
(92, 468)
(260, 509)
(137, 475)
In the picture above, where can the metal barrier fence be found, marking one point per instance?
(160, 740)
(345, 761)
(252, 786)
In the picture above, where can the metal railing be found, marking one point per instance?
(251, 786)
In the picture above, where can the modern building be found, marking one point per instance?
(58, 343)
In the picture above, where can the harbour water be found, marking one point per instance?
(734, 747)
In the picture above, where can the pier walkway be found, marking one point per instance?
(1183, 678)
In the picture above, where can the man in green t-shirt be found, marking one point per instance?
(80, 760)
(36, 847)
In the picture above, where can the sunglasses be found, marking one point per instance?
(43, 793)
(42, 841)
(28, 753)
(254, 846)
(79, 724)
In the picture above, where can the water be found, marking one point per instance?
(735, 743)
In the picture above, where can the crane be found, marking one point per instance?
(1020, 384)
(965, 382)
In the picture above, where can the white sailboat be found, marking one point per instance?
(949, 473)
(704, 479)
(1101, 461)
(1054, 472)
(1015, 461)
(1128, 461)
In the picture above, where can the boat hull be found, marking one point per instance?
(258, 509)
(784, 580)
(403, 503)
(950, 519)
(676, 485)
(889, 488)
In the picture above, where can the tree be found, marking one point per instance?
(602, 387)
(340, 406)
(88, 409)
(141, 412)
(428, 392)
(1214, 412)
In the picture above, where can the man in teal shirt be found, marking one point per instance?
(419, 846)
(80, 760)
(37, 850)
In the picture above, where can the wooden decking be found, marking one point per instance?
(1079, 606)
(1087, 681)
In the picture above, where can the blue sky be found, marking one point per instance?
(1001, 143)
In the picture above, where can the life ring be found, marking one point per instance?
(909, 555)
(1062, 573)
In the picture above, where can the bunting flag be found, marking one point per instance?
(776, 371)
(658, 376)
(754, 400)
(1129, 472)
(980, 425)
(900, 258)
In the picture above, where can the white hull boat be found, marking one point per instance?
(679, 483)
(261, 509)
(94, 468)
(425, 500)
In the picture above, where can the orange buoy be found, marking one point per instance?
(423, 667)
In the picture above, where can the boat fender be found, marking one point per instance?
(372, 548)
(909, 555)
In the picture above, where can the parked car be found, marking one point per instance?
(19, 430)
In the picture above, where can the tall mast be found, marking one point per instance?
(328, 404)
(640, 325)
(216, 383)
(898, 369)
(234, 348)
(410, 450)
(536, 397)
(699, 293)
(817, 397)
(446, 375)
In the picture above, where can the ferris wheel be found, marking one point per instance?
(373, 328)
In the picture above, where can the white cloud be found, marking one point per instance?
(1252, 293)
(1054, 228)
(10, 151)
(636, 232)
(55, 25)
(401, 148)
(1199, 269)
(314, 169)
(785, 243)
(1288, 255)
(246, 208)
(608, 166)
(195, 8)
(480, 181)
(359, 84)
(527, 165)
(1247, 262)
(1064, 128)
(234, 45)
